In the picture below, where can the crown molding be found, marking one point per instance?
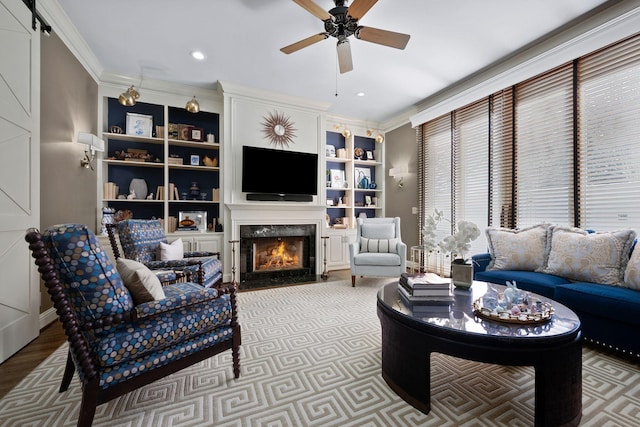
(241, 91)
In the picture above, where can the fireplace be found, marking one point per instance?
(277, 254)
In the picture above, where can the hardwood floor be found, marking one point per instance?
(20, 364)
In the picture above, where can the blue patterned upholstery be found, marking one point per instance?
(140, 240)
(115, 346)
(92, 282)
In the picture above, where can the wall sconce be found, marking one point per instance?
(399, 172)
(94, 144)
(129, 98)
(193, 106)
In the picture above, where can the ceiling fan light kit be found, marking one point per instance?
(341, 22)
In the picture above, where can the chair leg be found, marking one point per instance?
(353, 281)
(89, 404)
(68, 373)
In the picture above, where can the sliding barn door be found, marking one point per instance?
(19, 175)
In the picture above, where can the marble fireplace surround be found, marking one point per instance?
(283, 213)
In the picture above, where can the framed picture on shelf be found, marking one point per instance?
(367, 200)
(184, 132)
(195, 160)
(330, 151)
(139, 124)
(337, 178)
(197, 134)
(362, 176)
(193, 219)
(370, 155)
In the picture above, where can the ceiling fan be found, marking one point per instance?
(341, 22)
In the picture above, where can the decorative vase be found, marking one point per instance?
(139, 186)
(373, 185)
(194, 190)
(461, 275)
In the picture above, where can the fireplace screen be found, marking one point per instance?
(277, 253)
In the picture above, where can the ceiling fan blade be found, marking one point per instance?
(304, 43)
(383, 37)
(314, 9)
(359, 7)
(344, 56)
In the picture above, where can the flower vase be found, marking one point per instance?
(462, 275)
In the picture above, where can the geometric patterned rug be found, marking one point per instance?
(310, 356)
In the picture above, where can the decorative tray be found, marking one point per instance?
(539, 312)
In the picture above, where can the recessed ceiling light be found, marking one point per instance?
(196, 54)
(360, 94)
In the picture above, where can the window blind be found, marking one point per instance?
(609, 125)
(501, 167)
(544, 149)
(471, 168)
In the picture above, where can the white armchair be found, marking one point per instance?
(378, 249)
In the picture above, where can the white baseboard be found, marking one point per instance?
(48, 317)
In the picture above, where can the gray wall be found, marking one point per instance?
(69, 104)
(401, 150)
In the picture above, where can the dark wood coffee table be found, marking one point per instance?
(553, 348)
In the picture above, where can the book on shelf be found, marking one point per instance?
(425, 299)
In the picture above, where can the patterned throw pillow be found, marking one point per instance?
(143, 284)
(521, 249)
(632, 272)
(591, 257)
(379, 245)
(171, 252)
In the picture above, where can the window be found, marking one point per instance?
(559, 148)
(609, 94)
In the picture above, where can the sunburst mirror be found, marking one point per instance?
(278, 129)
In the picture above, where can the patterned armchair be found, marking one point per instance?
(140, 241)
(114, 345)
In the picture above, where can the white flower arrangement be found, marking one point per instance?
(458, 244)
(429, 230)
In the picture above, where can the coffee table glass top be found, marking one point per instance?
(459, 315)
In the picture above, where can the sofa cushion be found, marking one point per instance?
(611, 302)
(540, 283)
(521, 249)
(143, 284)
(582, 256)
(377, 259)
(632, 272)
(378, 245)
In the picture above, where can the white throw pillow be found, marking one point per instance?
(520, 249)
(379, 245)
(591, 257)
(171, 252)
(141, 282)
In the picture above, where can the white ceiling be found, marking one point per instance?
(450, 39)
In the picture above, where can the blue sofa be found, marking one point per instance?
(610, 315)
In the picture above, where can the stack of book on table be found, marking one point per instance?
(426, 292)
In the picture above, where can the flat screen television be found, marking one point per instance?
(270, 174)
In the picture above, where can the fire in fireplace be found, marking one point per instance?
(277, 254)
